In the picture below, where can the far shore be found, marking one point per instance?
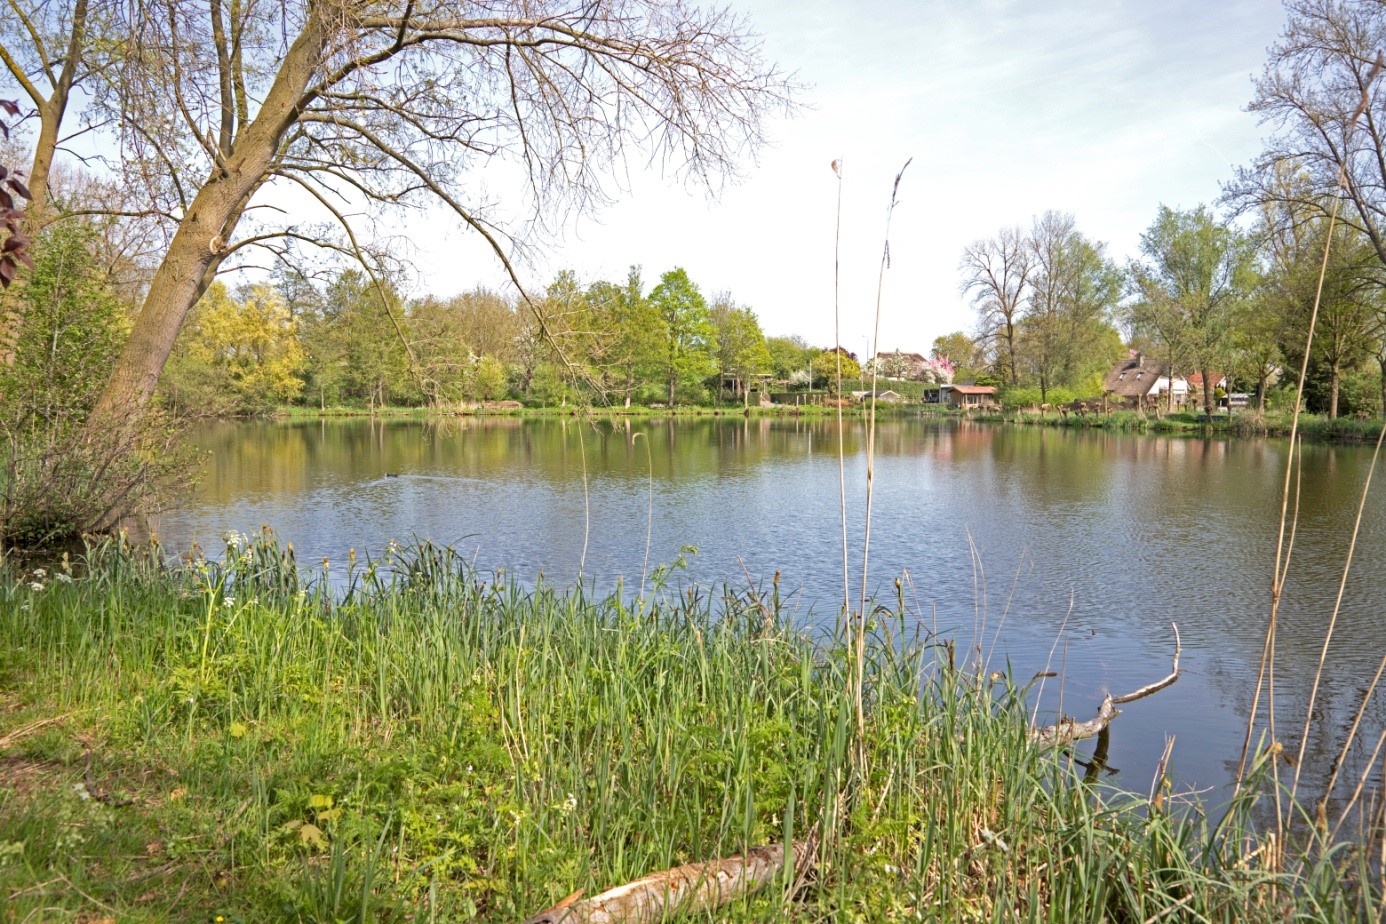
(1244, 423)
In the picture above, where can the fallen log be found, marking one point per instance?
(692, 887)
(1067, 731)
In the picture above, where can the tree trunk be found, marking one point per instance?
(1334, 377)
(1381, 361)
(1169, 381)
(200, 241)
(1207, 394)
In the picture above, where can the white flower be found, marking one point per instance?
(35, 586)
(228, 601)
(63, 578)
(40, 573)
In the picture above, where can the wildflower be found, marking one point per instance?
(35, 586)
(40, 573)
(63, 578)
(228, 601)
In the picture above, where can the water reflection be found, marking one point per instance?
(1078, 548)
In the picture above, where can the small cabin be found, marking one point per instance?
(968, 397)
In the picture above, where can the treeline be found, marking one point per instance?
(355, 341)
(1228, 300)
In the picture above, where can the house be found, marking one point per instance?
(968, 397)
(1217, 379)
(1138, 382)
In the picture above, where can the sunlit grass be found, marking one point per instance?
(435, 743)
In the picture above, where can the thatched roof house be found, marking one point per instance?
(1136, 380)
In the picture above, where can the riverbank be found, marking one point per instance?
(232, 744)
(504, 409)
(1317, 427)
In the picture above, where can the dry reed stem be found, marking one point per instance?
(1361, 785)
(841, 447)
(649, 512)
(1280, 569)
(860, 623)
(1352, 733)
(1333, 619)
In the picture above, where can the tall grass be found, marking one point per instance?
(436, 743)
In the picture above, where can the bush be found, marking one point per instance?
(58, 480)
(1015, 397)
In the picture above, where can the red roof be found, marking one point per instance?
(1195, 379)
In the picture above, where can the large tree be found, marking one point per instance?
(630, 325)
(1321, 94)
(686, 332)
(996, 277)
(1074, 288)
(739, 343)
(221, 106)
(1194, 273)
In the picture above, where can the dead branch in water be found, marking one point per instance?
(1067, 731)
(692, 887)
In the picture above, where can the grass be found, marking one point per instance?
(725, 410)
(1243, 423)
(229, 742)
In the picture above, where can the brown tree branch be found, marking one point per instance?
(687, 889)
(1067, 731)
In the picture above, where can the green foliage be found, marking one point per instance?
(1019, 397)
(235, 355)
(354, 350)
(1065, 332)
(631, 325)
(1191, 285)
(432, 744)
(686, 335)
(788, 355)
(74, 326)
(825, 368)
(58, 480)
(740, 345)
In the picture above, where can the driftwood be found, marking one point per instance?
(692, 887)
(1067, 731)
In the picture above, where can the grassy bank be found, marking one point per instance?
(1247, 423)
(228, 744)
(637, 411)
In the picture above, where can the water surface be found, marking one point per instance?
(1038, 547)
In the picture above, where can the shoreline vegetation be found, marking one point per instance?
(1316, 427)
(233, 741)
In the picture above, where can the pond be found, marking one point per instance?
(1072, 550)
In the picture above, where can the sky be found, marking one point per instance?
(1004, 109)
(1102, 108)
